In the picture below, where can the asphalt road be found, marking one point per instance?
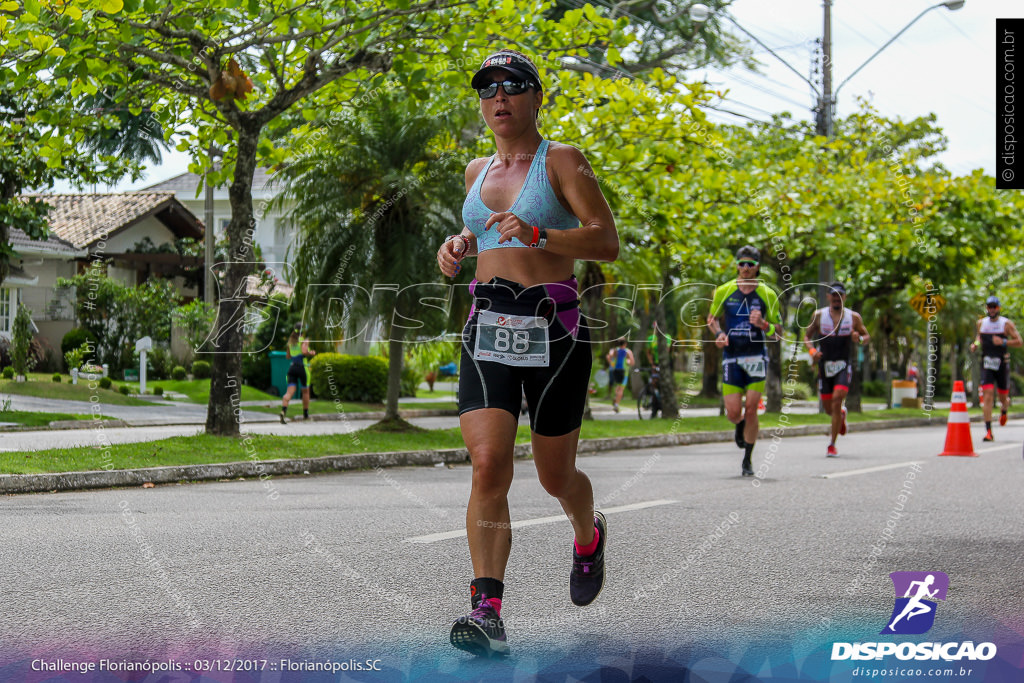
(353, 562)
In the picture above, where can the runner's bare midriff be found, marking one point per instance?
(528, 267)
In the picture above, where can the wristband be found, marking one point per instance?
(465, 241)
(771, 329)
(720, 333)
(542, 238)
(536, 235)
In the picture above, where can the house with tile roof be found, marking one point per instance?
(86, 227)
(273, 231)
(34, 270)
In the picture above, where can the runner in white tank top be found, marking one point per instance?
(994, 334)
(835, 328)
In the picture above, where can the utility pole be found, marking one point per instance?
(208, 238)
(824, 118)
(824, 127)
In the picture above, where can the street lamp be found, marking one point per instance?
(699, 13)
(826, 100)
(951, 5)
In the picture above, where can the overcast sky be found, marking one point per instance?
(945, 63)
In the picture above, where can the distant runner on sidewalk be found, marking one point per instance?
(836, 329)
(994, 334)
(750, 312)
(299, 354)
(621, 360)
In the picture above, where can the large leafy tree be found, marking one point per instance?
(44, 128)
(222, 73)
(381, 189)
(666, 36)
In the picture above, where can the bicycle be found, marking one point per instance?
(649, 399)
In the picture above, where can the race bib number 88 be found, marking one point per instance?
(516, 340)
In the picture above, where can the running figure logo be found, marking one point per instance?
(914, 612)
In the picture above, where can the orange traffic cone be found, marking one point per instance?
(958, 429)
(762, 407)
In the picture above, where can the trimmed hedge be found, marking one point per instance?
(178, 373)
(105, 382)
(349, 378)
(201, 369)
(56, 377)
(9, 372)
(124, 389)
(74, 338)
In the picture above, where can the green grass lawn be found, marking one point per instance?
(198, 390)
(205, 449)
(29, 419)
(42, 386)
(318, 407)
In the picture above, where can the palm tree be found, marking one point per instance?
(377, 193)
(138, 137)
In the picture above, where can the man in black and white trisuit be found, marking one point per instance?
(995, 333)
(836, 329)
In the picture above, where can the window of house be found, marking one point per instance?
(8, 304)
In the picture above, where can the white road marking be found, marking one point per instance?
(866, 470)
(1004, 447)
(460, 533)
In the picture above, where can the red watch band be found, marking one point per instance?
(536, 236)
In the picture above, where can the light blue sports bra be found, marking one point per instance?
(536, 205)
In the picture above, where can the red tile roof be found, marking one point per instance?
(83, 219)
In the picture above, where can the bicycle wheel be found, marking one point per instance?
(645, 403)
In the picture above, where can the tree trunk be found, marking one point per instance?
(667, 383)
(712, 361)
(929, 401)
(975, 383)
(954, 363)
(222, 416)
(773, 382)
(853, 398)
(396, 353)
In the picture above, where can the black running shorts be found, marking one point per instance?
(297, 376)
(843, 379)
(999, 378)
(556, 394)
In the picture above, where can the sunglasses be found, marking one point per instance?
(510, 87)
(991, 305)
(747, 264)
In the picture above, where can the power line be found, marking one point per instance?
(768, 91)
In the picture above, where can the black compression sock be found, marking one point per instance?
(988, 426)
(491, 588)
(305, 414)
(748, 451)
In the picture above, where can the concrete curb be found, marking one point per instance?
(70, 481)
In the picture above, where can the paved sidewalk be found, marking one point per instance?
(28, 483)
(162, 413)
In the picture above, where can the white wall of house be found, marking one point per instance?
(272, 232)
(52, 311)
(148, 227)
